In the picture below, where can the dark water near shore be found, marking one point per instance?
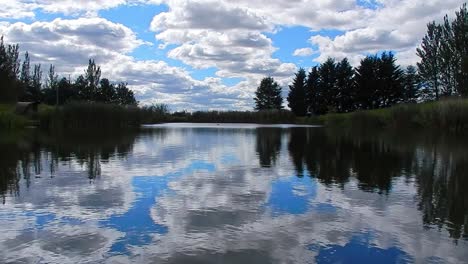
(233, 194)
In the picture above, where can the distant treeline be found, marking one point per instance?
(21, 82)
(378, 82)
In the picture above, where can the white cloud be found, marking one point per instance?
(304, 52)
(397, 25)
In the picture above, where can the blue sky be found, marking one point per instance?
(212, 54)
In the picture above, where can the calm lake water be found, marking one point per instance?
(233, 194)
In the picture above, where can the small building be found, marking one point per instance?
(26, 108)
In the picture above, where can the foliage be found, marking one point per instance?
(268, 95)
(9, 120)
(155, 113)
(9, 69)
(297, 94)
(444, 57)
(450, 115)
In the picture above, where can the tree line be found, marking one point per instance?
(378, 82)
(21, 81)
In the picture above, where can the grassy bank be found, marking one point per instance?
(265, 117)
(9, 120)
(449, 115)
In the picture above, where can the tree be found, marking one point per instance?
(411, 84)
(9, 69)
(268, 95)
(313, 92)
(460, 46)
(25, 79)
(390, 77)
(89, 84)
(429, 67)
(345, 86)
(366, 81)
(124, 96)
(106, 91)
(379, 82)
(327, 87)
(35, 90)
(297, 94)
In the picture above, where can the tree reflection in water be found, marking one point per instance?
(437, 163)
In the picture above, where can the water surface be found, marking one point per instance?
(214, 193)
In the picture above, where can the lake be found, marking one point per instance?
(233, 193)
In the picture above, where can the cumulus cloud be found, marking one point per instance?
(395, 25)
(304, 52)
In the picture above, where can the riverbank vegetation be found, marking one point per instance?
(450, 115)
(9, 120)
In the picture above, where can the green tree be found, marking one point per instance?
(25, 79)
(460, 46)
(268, 95)
(366, 81)
(297, 94)
(411, 84)
(106, 91)
(313, 92)
(36, 84)
(345, 86)
(328, 87)
(124, 96)
(429, 66)
(390, 81)
(9, 69)
(88, 87)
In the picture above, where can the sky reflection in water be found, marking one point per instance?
(233, 194)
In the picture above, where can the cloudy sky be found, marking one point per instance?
(210, 54)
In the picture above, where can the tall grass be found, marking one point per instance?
(9, 120)
(80, 115)
(445, 115)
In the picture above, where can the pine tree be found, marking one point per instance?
(268, 95)
(390, 81)
(411, 84)
(327, 87)
(312, 91)
(297, 94)
(366, 81)
(345, 85)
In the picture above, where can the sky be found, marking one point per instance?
(211, 55)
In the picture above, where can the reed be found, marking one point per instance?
(262, 117)
(9, 120)
(450, 115)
